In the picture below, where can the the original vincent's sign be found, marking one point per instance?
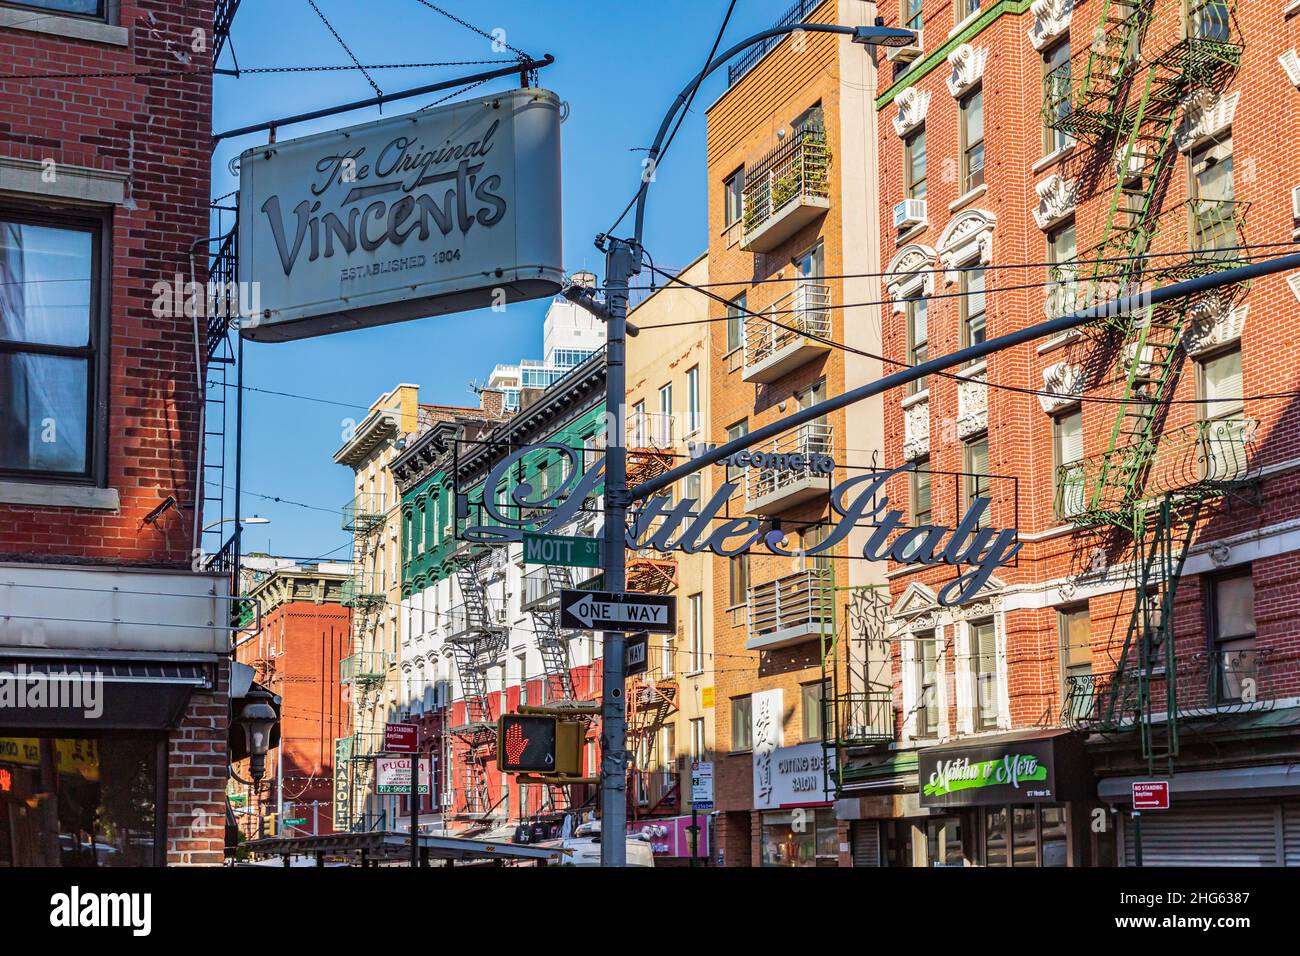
(688, 525)
(433, 212)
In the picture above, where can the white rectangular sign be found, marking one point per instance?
(393, 775)
(767, 718)
(702, 782)
(428, 213)
(797, 776)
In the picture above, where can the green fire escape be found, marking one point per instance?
(1149, 483)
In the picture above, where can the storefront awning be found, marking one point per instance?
(1026, 767)
(94, 695)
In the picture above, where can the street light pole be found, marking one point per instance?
(622, 262)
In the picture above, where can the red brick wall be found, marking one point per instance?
(1267, 167)
(155, 129)
(196, 778)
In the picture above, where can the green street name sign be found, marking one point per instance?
(300, 821)
(564, 550)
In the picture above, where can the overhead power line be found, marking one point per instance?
(346, 49)
(253, 70)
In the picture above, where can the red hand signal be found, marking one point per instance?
(516, 743)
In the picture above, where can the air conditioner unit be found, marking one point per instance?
(907, 54)
(391, 658)
(909, 212)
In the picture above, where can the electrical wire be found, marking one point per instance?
(347, 49)
(648, 174)
(251, 71)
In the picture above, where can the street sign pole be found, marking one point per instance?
(415, 800)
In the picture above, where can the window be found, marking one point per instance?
(696, 602)
(1232, 636)
(821, 562)
(693, 487)
(733, 202)
(920, 497)
(814, 711)
(522, 669)
(1056, 97)
(927, 678)
(1076, 663)
(668, 757)
(912, 14)
(976, 481)
(811, 119)
(966, 8)
(85, 8)
(736, 322)
(972, 140)
(1067, 433)
(698, 750)
(918, 341)
(1209, 20)
(638, 425)
(665, 436)
(1061, 252)
(1224, 429)
(1213, 209)
(742, 723)
(738, 430)
(693, 400)
(984, 671)
(972, 307)
(738, 574)
(670, 656)
(914, 175)
(51, 339)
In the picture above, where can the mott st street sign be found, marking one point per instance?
(607, 611)
(560, 549)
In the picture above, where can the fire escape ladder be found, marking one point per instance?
(1112, 58)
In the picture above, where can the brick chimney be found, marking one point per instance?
(492, 401)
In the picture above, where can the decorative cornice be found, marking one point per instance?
(916, 431)
(968, 236)
(1057, 197)
(1051, 20)
(913, 104)
(1206, 116)
(967, 64)
(1062, 386)
(1290, 61)
(906, 278)
(1211, 324)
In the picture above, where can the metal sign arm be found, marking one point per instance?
(1064, 323)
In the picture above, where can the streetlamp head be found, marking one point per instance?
(255, 519)
(883, 36)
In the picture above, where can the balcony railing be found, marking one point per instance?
(796, 13)
(651, 430)
(363, 513)
(778, 488)
(538, 589)
(864, 719)
(463, 620)
(791, 609)
(363, 589)
(786, 190)
(772, 350)
(362, 668)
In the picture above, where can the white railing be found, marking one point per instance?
(795, 605)
(805, 308)
(651, 430)
(814, 438)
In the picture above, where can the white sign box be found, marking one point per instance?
(433, 212)
(393, 775)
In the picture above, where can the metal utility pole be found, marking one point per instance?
(622, 262)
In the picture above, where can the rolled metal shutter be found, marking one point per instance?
(1231, 833)
(866, 843)
(1291, 833)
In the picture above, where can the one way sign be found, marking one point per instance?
(609, 611)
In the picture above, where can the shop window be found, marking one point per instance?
(800, 838)
(995, 837)
(52, 336)
(1024, 833)
(984, 669)
(1054, 848)
(944, 846)
(742, 723)
(82, 802)
(1232, 637)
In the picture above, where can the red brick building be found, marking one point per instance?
(1036, 158)
(295, 654)
(104, 186)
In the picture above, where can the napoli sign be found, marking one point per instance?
(691, 526)
(433, 212)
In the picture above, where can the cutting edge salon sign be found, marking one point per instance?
(785, 776)
(437, 211)
(1015, 771)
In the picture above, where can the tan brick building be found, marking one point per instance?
(1142, 629)
(791, 211)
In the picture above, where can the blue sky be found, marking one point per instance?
(619, 64)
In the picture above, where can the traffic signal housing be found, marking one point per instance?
(540, 744)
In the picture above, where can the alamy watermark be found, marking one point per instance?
(25, 688)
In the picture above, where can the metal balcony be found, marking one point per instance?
(792, 609)
(651, 431)
(364, 667)
(462, 623)
(363, 589)
(864, 719)
(363, 513)
(770, 350)
(770, 490)
(786, 190)
(538, 590)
